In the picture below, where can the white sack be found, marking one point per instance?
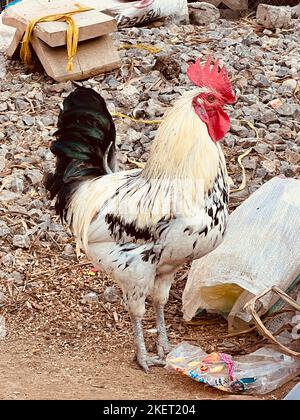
(261, 248)
(133, 13)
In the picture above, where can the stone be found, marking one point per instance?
(21, 241)
(34, 175)
(129, 97)
(269, 166)
(289, 110)
(250, 99)
(293, 157)
(239, 130)
(246, 142)
(274, 17)
(4, 229)
(269, 117)
(69, 253)
(91, 297)
(7, 196)
(16, 277)
(249, 163)
(3, 106)
(202, 13)
(133, 136)
(262, 149)
(167, 66)
(111, 295)
(17, 184)
(261, 172)
(28, 120)
(288, 86)
(262, 80)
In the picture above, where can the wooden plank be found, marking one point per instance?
(91, 24)
(12, 49)
(93, 57)
(25, 11)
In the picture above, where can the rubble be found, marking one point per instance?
(46, 258)
(91, 297)
(201, 12)
(274, 17)
(111, 295)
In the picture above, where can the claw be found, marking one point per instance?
(146, 361)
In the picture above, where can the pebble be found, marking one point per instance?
(269, 117)
(21, 241)
(7, 196)
(91, 297)
(34, 175)
(69, 253)
(4, 229)
(111, 295)
(239, 130)
(28, 120)
(289, 110)
(128, 97)
(16, 277)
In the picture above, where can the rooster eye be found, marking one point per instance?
(211, 98)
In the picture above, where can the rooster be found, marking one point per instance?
(138, 225)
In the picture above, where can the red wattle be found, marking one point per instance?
(216, 120)
(218, 123)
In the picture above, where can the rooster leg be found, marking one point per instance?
(143, 358)
(163, 347)
(160, 297)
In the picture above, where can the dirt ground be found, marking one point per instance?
(91, 356)
(29, 370)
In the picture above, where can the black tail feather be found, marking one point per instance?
(85, 145)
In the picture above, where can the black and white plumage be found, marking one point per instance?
(140, 226)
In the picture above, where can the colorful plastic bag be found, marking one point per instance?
(257, 373)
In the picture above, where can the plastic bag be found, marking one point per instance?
(261, 249)
(133, 13)
(294, 394)
(257, 373)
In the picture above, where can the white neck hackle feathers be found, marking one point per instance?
(182, 147)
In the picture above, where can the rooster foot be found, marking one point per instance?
(163, 347)
(146, 361)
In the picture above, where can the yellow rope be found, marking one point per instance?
(241, 157)
(244, 180)
(146, 47)
(72, 34)
(120, 115)
(140, 165)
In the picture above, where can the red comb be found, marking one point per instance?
(205, 76)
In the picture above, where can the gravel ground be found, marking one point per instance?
(44, 287)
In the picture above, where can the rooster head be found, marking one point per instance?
(215, 92)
